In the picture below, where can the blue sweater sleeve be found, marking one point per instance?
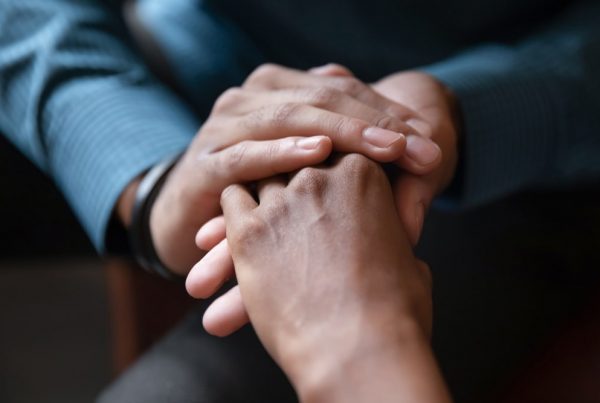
(77, 100)
(531, 109)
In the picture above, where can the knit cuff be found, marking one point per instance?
(106, 134)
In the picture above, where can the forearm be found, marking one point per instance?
(528, 107)
(83, 106)
(400, 364)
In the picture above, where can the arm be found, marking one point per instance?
(77, 100)
(333, 291)
(529, 109)
(87, 111)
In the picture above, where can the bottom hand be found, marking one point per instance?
(227, 313)
(330, 283)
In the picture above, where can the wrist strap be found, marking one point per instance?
(140, 236)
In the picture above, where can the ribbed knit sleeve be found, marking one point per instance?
(77, 100)
(531, 110)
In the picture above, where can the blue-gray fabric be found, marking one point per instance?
(78, 100)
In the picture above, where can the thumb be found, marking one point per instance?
(413, 196)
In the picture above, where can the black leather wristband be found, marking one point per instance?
(140, 236)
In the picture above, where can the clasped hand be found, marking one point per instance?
(317, 250)
(279, 121)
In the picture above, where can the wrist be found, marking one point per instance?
(170, 232)
(347, 370)
(174, 219)
(139, 227)
(124, 209)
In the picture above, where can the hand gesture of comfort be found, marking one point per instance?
(269, 126)
(329, 281)
(431, 110)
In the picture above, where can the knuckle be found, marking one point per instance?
(309, 180)
(251, 228)
(360, 166)
(228, 99)
(323, 96)
(276, 209)
(366, 173)
(357, 161)
(350, 85)
(255, 120)
(348, 126)
(280, 114)
(234, 157)
(263, 73)
(338, 67)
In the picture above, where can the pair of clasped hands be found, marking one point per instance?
(321, 238)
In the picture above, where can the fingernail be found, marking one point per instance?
(421, 150)
(309, 143)
(381, 138)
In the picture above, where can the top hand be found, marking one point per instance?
(240, 142)
(434, 115)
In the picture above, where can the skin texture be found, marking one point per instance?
(333, 290)
(236, 144)
(438, 108)
(436, 111)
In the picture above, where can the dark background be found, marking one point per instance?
(54, 332)
(35, 218)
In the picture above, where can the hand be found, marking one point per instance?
(420, 101)
(324, 280)
(219, 155)
(438, 108)
(336, 87)
(434, 113)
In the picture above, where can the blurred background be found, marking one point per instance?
(54, 337)
(515, 290)
(71, 321)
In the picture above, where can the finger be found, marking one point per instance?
(331, 69)
(210, 273)
(329, 99)
(211, 233)
(413, 196)
(255, 160)
(269, 187)
(348, 134)
(236, 201)
(226, 314)
(422, 155)
(274, 77)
